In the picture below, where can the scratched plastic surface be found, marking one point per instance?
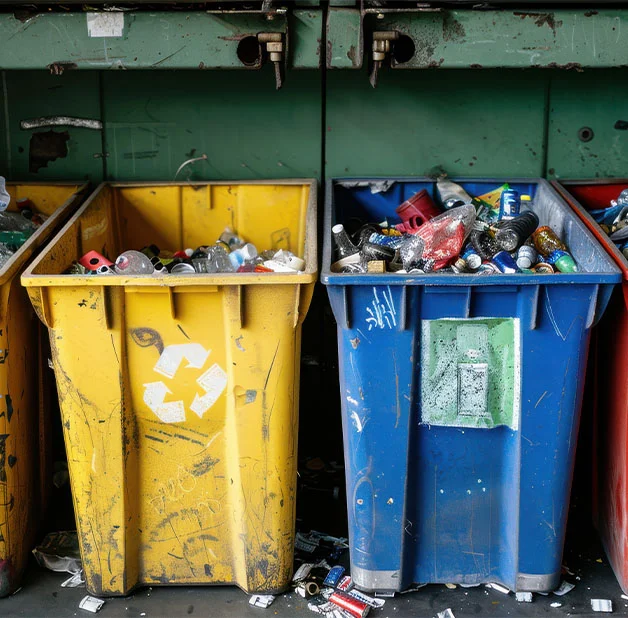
(460, 400)
(179, 395)
(25, 471)
(610, 480)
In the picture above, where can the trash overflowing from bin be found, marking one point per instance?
(614, 221)
(497, 232)
(16, 227)
(229, 254)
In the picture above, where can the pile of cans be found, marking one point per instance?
(497, 232)
(229, 254)
(614, 221)
(328, 590)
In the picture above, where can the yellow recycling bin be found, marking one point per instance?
(25, 470)
(179, 394)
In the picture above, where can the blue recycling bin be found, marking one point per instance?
(460, 400)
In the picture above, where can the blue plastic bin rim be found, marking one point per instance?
(609, 275)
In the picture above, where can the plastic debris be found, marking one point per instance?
(499, 588)
(556, 604)
(302, 572)
(75, 581)
(470, 236)
(446, 613)
(59, 551)
(523, 597)
(564, 588)
(91, 604)
(365, 598)
(228, 254)
(602, 605)
(334, 576)
(261, 600)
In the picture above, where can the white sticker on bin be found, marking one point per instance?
(109, 24)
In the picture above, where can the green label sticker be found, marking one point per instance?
(470, 372)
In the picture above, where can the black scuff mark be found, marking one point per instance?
(146, 337)
(204, 466)
(3, 455)
(9, 406)
(184, 333)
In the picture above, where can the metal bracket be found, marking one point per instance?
(275, 47)
(381, 50)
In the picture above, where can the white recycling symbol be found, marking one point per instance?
(213, 382)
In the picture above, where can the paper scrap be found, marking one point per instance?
(499, 588)
(602, 605)
(564, 588)
(523, 597)
(91, 604)
(261, 600)
(556, 604)
(447, 613)
(75, 581)
(302, 572)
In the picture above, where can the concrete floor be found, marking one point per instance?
(42, 596)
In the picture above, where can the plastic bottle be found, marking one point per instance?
(546, 241)
(451, 194)
(484, 244)
(5, 198)
(512, 233)
(562, 261)
(133, 263)
(364, 233)
(246, 253)
(344, 246)
(411, 253)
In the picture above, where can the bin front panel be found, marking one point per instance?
(610, 386)
(460, 413)
(180, 402)
(25, 476)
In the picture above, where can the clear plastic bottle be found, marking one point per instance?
(512, 233)
(245, 254)
(451, 194)
(484, 244)
(5, 198)
(133, 263)
(344, 246)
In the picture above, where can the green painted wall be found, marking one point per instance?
(154, 121)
